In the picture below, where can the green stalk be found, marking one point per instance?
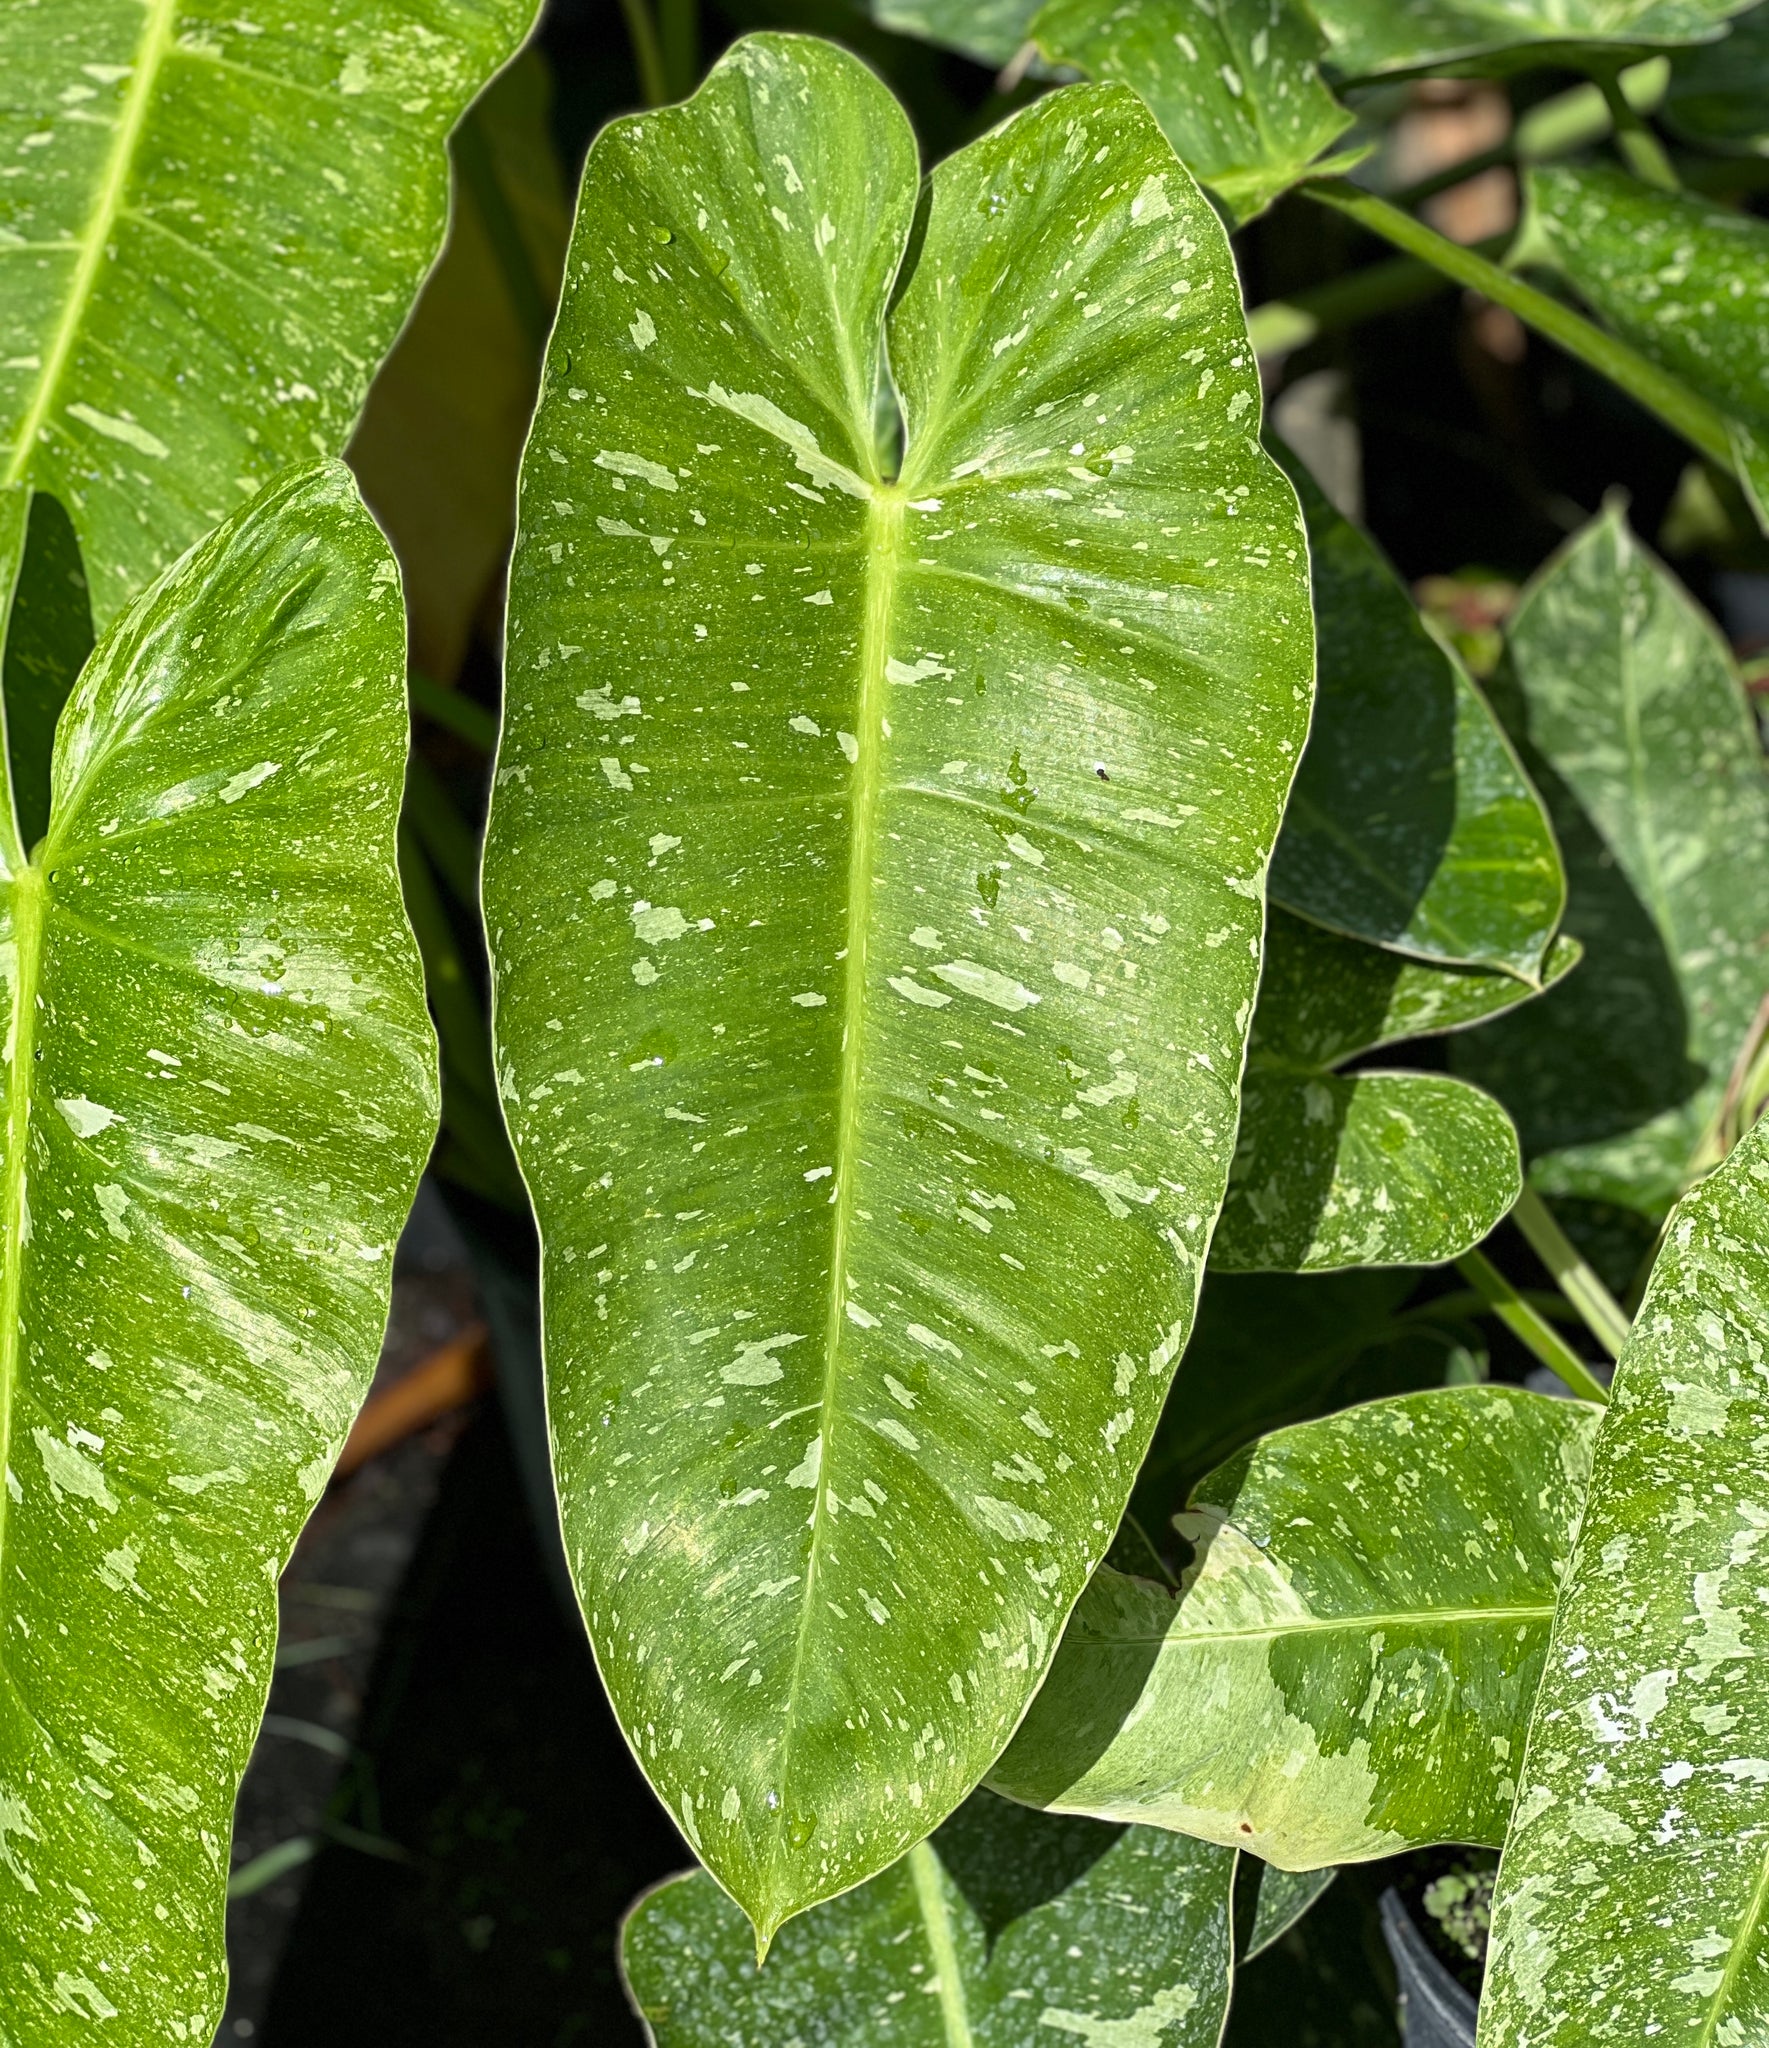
(678, 35)
(478, 171)
(1281, 325)
(1601, 1311)
(1641, 149)
(452, 846)
(1522, 1321)
(654, 85)
(1694, 418)
(460, 715)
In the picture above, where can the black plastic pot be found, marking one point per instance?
(1435, 2011)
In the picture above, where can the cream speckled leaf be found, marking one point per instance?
(1630, 1903)
(210, 231)
(219, 1089)
(1684, 280)
(988, 30)
(1370, 36)
(1371, 1168)
(1629, 710)
(1348, 1667)
(1412, 824)
(1008, 1929)
(1235, 84)
(875, 885)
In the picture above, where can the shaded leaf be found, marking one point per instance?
(1348, 1667)
(1629, 709)
(1235, 84)
(848, 885)
(1405, 35)
(440, 439)
(1008, 1929)
(1412, 824)
(1643, 1781)
(47, 635)
(1684, 280)
(1719, 92)
(991, 31)
(1280, 1898)
(214, 232)
(1371, 1168)
(1326, 1983)
(219, 1091)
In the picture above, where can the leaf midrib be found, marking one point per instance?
(27, 890)
(936, 1921)
(1321, 1624)
(150, 54)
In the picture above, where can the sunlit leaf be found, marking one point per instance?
(1630, 714)
(1684, 280)
(219, 1086)
(211, 230)
(1009, 1929)
(1412, 824)
(1348, 1668)
(1235, 84)
(1630, 1897)
(875, 884)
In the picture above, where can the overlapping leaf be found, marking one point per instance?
(1630, 713)
(1413, 824)
(874, 886)
(1369, 36)
(1682, 279)
(1630, 1898)
(211, 230)
(1348, 1667)
(219, 1089)
(1235, 84)
(991, 31)
(1719, 92)
(1371, 1168)
(1008, 1929)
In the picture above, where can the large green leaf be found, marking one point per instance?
(211, 230)
(875, 882)
(1630, 712)
(1684, 280)
(989, 30)
(1719, 92)
(1235, 84)
(1371, 1168)
(219, 1087)
(1348, 1667)
(1630, 1897)
(1369, 36)
(1413, 824)
(1009, 1929)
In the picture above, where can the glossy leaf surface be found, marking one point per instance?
(1009, 1929)
(1403, 35)
(219, 1087)
(1235, 84)
(1413, 824)
(874, 887)
(1348, 1667)
(1684, 280)
(1371, 1168)
(214, 230)
(1630, 1897)
(991, 31)
(1719, 93)
(1630, 713)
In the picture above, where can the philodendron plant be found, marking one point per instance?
(982, 849)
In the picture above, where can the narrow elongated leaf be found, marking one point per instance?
(1630, 1897)
(1630, 713)
(213, 230)
(1409, 35)
(1348, 1668)
(874, 888)
(219, 1091)
(991, 31)
(47, 636)
(1682, 279)
(1413, 824)
(1235, 84)
(1719, 92)
(1365, 1169)
(1009, 1929)
(1281, 1898)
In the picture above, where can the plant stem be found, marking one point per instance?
(1572, 1275)
(678, 35)
(1281, 325)
(478, 172)
(1693, 417)
(449, 708)
(1641, 149)
(654, 85)
(1523, 1323)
